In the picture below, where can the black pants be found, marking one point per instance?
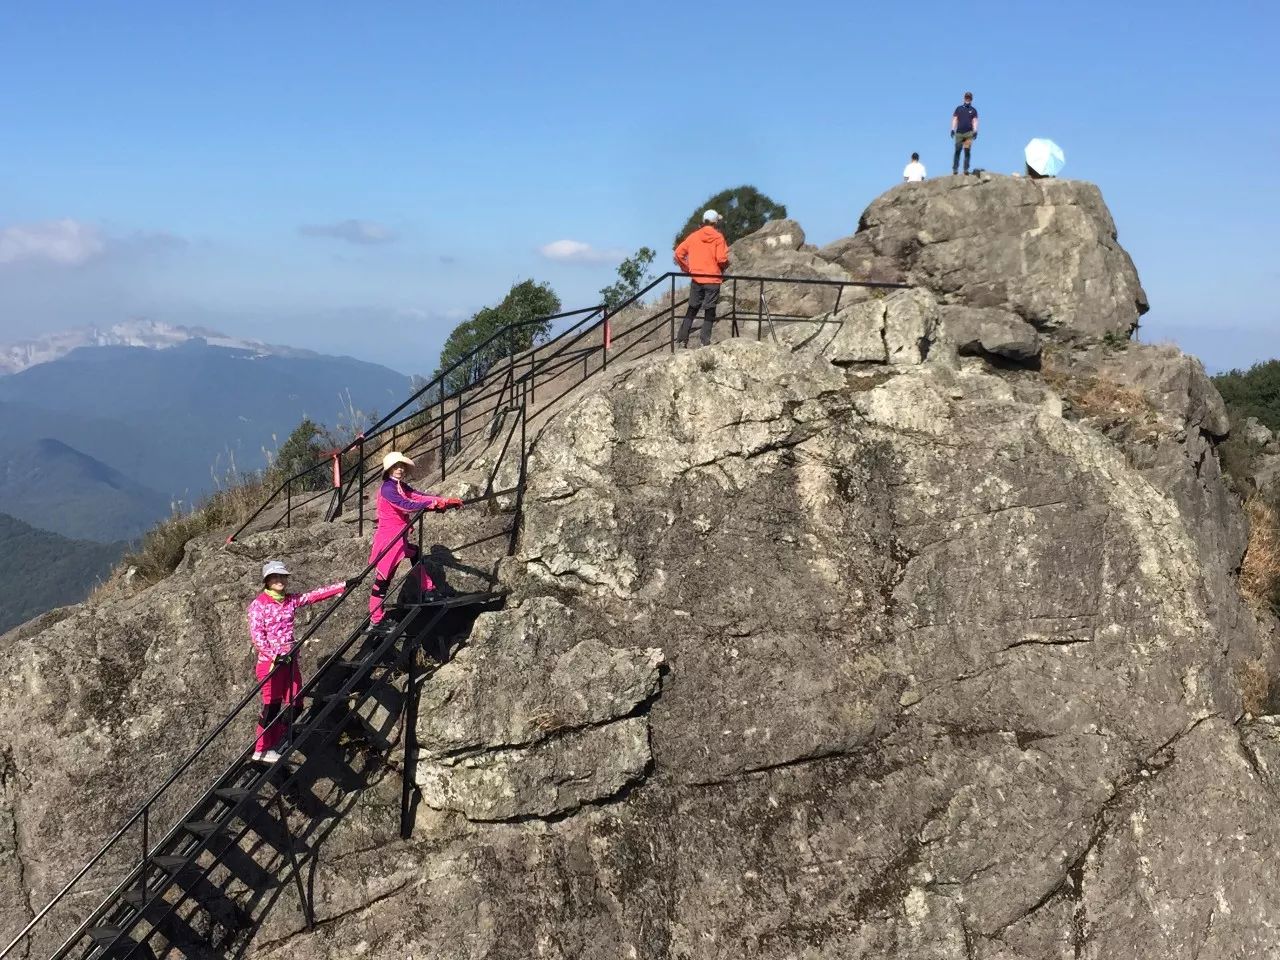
(702, 296)
(966, 145)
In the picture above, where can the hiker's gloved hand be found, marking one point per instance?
(352, 583)
(444, 503)
(953, 134)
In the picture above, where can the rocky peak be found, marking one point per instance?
(913, 632)
(1043, 251)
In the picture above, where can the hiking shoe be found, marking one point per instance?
(257, 755)
(269, 756)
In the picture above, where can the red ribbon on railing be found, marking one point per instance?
(337, 470)
(608, 332)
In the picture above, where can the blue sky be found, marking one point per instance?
(356, 178)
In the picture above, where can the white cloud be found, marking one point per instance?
(65, 242)
(575, 251)
(360, 232)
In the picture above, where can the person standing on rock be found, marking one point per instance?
(271, 629)
(914, 171)
(964, 130)
(398, 504)
(704, 256)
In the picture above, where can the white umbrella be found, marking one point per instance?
(1044, 157)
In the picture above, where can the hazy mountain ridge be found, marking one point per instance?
(149, 334)
(62, 490)
(41, 570)
(174, 419)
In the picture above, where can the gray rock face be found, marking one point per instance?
(985, 330)
(1043, 249)
(943, 681)
(854, 645)
(897, 329)
(777, 250)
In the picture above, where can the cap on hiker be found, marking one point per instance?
(968, 95)
(392, 459)
(711, 217)
(274, 568)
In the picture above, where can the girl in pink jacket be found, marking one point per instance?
(398, 503)
(271, 629)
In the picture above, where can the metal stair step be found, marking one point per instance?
(234, 794)
(205, 828)
(102, 938)
(172, 863)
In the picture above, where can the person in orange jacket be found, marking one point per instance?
(703, 255)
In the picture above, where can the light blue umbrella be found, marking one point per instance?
(1044, 157)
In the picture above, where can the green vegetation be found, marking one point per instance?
(41, 570)
(1253, 393)
(239, 495)
(745, 210)
(527, 303)
(633, 274)
(300, 451)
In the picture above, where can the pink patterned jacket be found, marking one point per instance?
(271, 620)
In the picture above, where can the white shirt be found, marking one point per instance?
(914, 172)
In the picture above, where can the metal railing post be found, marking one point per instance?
(673, 313)
(733, 306)
(760, 314)
(360, 467)
(442, 441)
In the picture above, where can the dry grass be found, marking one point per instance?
(1255, 687)
(161, 549)
(1109, 404)
(1104, 397)
(1260, 572)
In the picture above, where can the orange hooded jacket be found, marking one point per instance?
(703, 255)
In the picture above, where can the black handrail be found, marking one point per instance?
(144, 809)
(538, 354)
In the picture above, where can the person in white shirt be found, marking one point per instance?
(914, 171)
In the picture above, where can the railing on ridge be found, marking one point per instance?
(140, 828)
(439, 424)
(477, 411)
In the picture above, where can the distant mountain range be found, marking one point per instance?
(40, 570)
(149, 334)
(59, 489)
(97, 443)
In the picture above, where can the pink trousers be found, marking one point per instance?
(386, 570)
(278, 694)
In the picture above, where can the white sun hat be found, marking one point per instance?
(274, 568)
(393, 458)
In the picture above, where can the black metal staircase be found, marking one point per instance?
(184, 889)
(199, 890)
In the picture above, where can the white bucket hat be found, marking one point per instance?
(274, 568)
(711, 217)
(393, 458)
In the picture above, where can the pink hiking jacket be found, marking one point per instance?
(397, 503)
(271, 620)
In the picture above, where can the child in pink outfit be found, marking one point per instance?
(271, 629)
(397, 504)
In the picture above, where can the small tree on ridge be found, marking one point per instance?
(745, 210)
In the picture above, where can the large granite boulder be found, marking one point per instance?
(1043, 249)
(915, 633)
(778, 250)
(939, 677)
